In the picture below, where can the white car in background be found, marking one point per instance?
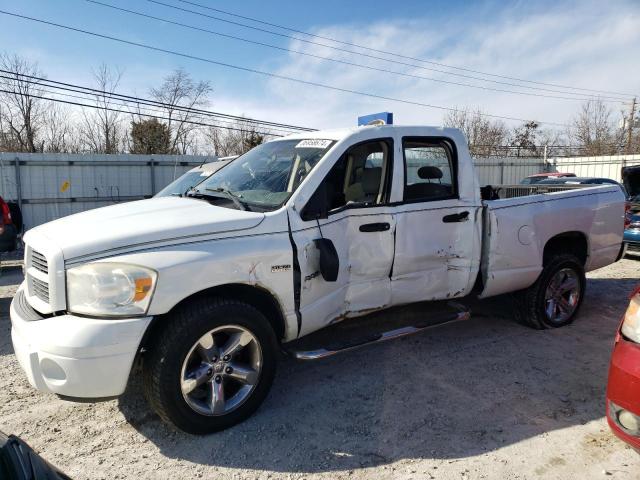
(193, 177)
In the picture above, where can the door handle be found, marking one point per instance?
(375, 227)
(456, 217)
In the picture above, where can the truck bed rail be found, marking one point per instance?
(513, 191)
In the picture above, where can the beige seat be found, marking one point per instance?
(365, 190)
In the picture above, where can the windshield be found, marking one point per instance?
(267, 175)
(181, 184)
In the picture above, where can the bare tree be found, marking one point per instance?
(179, 94)
(102, 129)
(592, 130)
(21, 111)
(236, 141)
(484, 135)
(59, 131)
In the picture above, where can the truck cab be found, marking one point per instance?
(403, 209)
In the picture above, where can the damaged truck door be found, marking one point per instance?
(437, 237)
(360, 224)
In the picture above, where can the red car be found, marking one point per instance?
(8, 228)
(623, 389)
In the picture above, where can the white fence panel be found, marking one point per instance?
(506, 170)
(49, 186)
(605, 166)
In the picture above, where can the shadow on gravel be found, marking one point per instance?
(10, 276)
(633, 255)
(456, 391)
(6, 347)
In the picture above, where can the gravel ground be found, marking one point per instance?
(482, 399)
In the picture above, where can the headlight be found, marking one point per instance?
(631, 322)
(112, 289)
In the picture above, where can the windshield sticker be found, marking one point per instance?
(314, 143)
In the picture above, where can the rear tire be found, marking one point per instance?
(554, 299)
(211, 365)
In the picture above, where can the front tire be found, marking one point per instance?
(554, 299)
(211, 365)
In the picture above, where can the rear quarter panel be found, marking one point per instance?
(517, 230)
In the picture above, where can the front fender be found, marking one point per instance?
(183, 270)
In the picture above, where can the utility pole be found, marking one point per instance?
(631, 121)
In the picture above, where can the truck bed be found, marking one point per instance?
(519, 223)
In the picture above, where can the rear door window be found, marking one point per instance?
(429, 170)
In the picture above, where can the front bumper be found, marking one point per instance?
(74, 356)
(623, 388)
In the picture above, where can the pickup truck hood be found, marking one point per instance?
(142, 222)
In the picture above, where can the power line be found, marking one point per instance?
(158, 117)
(139, 111)
(344, 62)
(93, 91)
(430, 62)
(261, 72)
(139, 107)
(344, 50)
(191, 109)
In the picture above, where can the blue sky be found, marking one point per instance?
(589, 44)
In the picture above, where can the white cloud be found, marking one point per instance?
(589, 44)
(580, 44)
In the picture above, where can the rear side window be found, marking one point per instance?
(429, 170)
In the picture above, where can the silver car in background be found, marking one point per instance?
(193, 177)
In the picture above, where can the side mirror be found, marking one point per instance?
(317, 206)
(329, 261)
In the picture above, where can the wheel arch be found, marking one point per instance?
(573, 242)
(258, 297)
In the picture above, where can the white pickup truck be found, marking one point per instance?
(301, 232)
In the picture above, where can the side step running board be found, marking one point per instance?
(460, 313)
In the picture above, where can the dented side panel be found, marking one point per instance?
(363, 283)
(507, 264)
(517, 230)
(264, 261)
(435, 260)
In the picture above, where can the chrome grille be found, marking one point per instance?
(40, 289)
(39, 262)
(40, 274)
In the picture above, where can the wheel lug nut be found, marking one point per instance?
(210, 371)
(218, 378)
(228, 370)
(214, 359)
(226, 358)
